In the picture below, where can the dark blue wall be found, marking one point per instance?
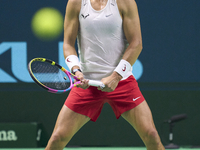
(171, 40)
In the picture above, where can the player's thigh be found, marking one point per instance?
(140, 118)
(69, 122)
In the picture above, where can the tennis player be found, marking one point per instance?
(109, 43)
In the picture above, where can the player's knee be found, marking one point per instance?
(151, 137)
(59, 138)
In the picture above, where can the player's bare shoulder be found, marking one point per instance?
(75, 2)
(74, 5)
(125, 5)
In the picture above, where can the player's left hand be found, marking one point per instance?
(110, 82)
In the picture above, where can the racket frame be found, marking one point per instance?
(70, 75)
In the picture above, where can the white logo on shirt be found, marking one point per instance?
(109, 15)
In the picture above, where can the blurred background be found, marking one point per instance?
(167, 72)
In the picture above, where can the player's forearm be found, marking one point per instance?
(132, 52)
(68, 50)
(70, 56)
(130, 56)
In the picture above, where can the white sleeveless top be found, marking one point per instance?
(101, 40)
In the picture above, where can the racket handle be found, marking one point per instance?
(96, 83)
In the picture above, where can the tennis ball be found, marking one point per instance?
(47, 24)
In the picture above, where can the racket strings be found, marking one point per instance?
(50, 75)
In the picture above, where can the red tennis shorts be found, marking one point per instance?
(89, 102)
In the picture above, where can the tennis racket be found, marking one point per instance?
(53, 77)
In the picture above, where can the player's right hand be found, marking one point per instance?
(84, 82)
